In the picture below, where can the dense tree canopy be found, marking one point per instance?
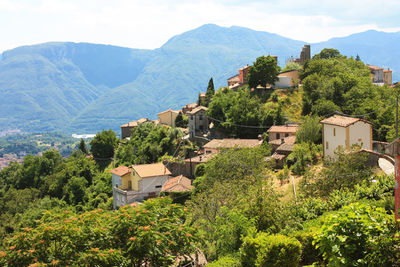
(263, 72)
(103, 144)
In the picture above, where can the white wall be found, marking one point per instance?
(334, 141)
(360, 133)
(283, 82)
(147, 185)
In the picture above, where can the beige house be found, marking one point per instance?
(198, 122)
(138, 182)
(126, 129)
(189, 107)
(168, 117)
(345, 131)
(216, 145)
(387, 77)
(282, 131)
(287, 79)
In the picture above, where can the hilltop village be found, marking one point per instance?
(284, 166)
(139, 182)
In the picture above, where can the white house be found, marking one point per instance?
(138, 182)
(345, 131)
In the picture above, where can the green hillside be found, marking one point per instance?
(83, 88)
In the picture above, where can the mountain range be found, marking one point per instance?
(83, 87)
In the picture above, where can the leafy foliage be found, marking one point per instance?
(103, 144)
(154, 233)
(270, 250)
(309, 131)
(347, 236)
(263, 72)
(148, 143)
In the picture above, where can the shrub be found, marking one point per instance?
(349, 235)
(231, 260)
(270, 250)
(341, 198)
(309, 253)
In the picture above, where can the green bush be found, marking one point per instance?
(231, 260)
(310, 208)
(341, 198)
(270, 250)
(349, 235)
(309, 253)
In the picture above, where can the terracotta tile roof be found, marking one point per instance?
(285, 148)
(234, 78)
(285, 72)
(121, 170)
(287, 140)
(194, 111)
(169, 110)
(245, 67)
(372, 67)
(130, 124)
(202, 94)
(135, 123)
(231, 143)
(201, 158)
(177, 184)
(342, 120)
(387, 70)
(151, 170)
(283, 129)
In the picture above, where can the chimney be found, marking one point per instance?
(200, 157)
(259, 137)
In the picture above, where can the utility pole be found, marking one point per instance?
(397, 116)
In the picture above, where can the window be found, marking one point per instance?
(334, 131)
(327, 145)
(158, 186)
(278, 136)
(201, 127)
(286, 135)
(201, 117)
(130, 185)
(191, 117)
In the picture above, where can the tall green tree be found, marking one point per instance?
(309, 131)
(263, 72)
(210, 91)
(82, 146)
(103, 144)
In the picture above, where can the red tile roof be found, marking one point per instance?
(372, 67)
(177, 184)
(151, 170)
(342, 120)
(169, 110)
(231, 143)
(283, 129)
(121, 170)
(234, 78)
(199, 108)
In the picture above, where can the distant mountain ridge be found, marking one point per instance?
(82, 87)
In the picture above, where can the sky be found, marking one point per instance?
(150, 23)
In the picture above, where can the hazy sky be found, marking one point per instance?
(150, 23)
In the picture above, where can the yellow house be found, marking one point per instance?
(138, 182)
(168, 117)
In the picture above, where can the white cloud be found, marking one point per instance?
(149, 24)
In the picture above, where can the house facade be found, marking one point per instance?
(345, 131)
(168, 117)
(287, 79)
(198, 122)
(282, 131)
(137, 182)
